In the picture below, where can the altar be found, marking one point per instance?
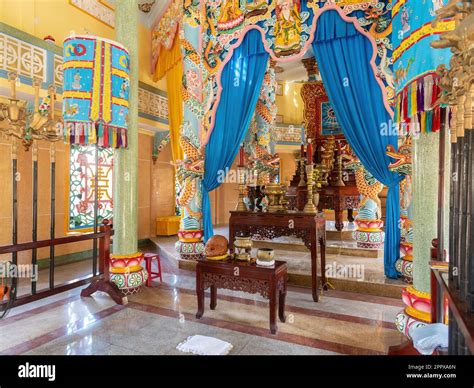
(339, 198)
(311, 228)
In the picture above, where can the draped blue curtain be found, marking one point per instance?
(343, 56)
(241, 81)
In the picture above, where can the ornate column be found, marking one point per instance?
(267, 164)
(418, 112)
(190, 171)
(126, 160)
(457, 84)
(309, 90)
(417, 297)
(130, 276)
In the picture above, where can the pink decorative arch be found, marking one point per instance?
(318, 13)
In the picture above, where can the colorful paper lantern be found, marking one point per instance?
(96, 91)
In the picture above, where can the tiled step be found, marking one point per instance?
(335, 247)
(388, 288)
(343, 235)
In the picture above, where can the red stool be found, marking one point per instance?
(149, 257)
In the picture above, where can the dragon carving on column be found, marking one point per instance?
(189, 171)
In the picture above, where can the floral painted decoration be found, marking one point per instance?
(163, 33)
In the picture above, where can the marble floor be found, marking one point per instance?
(159, 318)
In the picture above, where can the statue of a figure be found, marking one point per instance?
(287, 27)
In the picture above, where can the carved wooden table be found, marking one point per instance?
(339, 198)
(311, 228)
(243, 276)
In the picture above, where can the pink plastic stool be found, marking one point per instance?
(149, 257)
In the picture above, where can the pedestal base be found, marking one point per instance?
(417, 311)
(369, 240)
(129, 283)
(126, 272)
(404, 322)
(405, 267)
(190, 250)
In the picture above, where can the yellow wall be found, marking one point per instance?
(290, 103)
(287, 165)
(24, 187)
(162, 187)
(58, 18)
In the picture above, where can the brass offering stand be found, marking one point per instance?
(242, 248)
(339, 181)
(274, 192)
(309, 207)
(241, 207)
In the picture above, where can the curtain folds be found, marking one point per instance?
(170, 64)
(241, 81)
(343, 56)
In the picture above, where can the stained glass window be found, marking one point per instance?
(82, 168)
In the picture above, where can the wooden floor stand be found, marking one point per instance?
(108, 287)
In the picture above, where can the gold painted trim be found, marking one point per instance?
(130, 256)
(81, 64)
(419, 294)
(133, 268)
(417, 314)
(190, 240)
(368, 229)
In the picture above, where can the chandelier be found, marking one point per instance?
(19, 119)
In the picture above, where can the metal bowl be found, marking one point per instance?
(265, 254)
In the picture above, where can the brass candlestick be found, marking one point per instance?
(339, 182)
(302, 181)
(241, 180)
(309, 207)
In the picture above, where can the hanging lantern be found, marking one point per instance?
(95, 91)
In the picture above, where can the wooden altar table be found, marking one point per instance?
(270, 282)
(339, 198)
(311, 228)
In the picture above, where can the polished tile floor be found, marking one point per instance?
(159, 318)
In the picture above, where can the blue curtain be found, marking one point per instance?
(343, 56)
(241, 82)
